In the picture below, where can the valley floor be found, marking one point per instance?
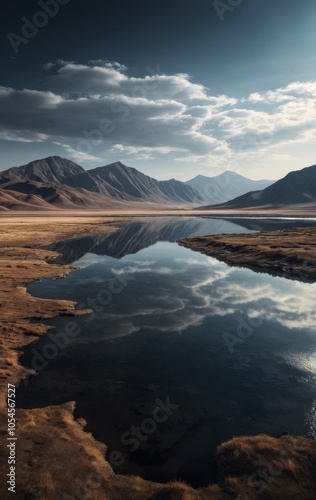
(144, 209)
(56, 458)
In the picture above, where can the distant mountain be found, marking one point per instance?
(296, 188)
(130, 184)
(225, 186)
(56, 182)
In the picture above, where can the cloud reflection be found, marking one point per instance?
(187, 292)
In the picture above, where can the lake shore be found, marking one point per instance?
(49, 438)
(307, 211)
(289, 253)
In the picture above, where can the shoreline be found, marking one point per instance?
(49, 438)
(23, 259)
(299, 212)
(287, 253)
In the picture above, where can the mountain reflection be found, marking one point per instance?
(147, 231)
(139, 234)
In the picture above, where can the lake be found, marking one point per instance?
(180, 352)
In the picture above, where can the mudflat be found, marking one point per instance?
(56, 458)
(290, 253)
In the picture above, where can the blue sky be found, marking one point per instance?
(173, 89)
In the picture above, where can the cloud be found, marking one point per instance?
(142, 153)
(288, 93)
(77, 155)
(108, 78)
(210, 295)
(98, 104)
(108, 64)
(152, 114)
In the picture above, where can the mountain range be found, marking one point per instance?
(57, 183)
(296, 188)
(225, 186)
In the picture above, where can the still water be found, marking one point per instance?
(222, 351)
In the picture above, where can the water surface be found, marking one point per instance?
(233, 350)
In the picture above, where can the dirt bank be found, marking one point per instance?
(290, 253)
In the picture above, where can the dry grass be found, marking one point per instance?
(289, 253)
(266, 467)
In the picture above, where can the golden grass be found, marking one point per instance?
(289, 253)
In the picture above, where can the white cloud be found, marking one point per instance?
(143, 153)
(213, 290)
(75, 155)
(99, 104)
(288, 93)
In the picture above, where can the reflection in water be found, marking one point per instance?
(141, 233)
(146, 231)
(232, 349)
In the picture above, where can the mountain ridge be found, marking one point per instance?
(298, 187)
(58, 183)
(226, 186)
(101, 187)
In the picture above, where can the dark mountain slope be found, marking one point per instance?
(65, 184)
(296, 188)
(51, 169)
(131, 184)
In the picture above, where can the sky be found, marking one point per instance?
(174, 89)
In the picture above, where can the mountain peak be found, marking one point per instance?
(298, 187)
(119, 164)
(115, 165)
(50, 169)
